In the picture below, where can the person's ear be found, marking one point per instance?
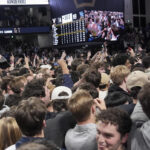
(93, 109)
(44, 123)
(125, 79)
(124, 138)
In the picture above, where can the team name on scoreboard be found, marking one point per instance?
(16, 2)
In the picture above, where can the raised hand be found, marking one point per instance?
(63, 55)
(100, 104)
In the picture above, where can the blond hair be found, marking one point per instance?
(9, 132)
(119, 73)
(80, 105)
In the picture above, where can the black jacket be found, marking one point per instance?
(57, 127)
(117, 96)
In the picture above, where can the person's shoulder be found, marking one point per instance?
(69, 134)
(12, 147)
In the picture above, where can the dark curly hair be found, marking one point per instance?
(34, 88)
(118, 118)
(120, 59)
(92, 76)
(30, 115)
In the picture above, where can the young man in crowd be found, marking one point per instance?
(30, 117)
(117, 92)
(37, 88)
(83, 135)
(140, 136)
(57, 126)
(135, 81)
(122, 59)
(112, 129)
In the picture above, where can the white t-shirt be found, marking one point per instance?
(12, 147)
(103, 94)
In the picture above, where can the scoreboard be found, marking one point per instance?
(68, 32)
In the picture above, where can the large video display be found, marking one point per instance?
(86, 20)
(103, 25)
(87, 26)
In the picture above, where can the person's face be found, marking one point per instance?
(108, 138)
(29, 78)
(39, 75)
(47, 71)
(52, 72)
(47, 95)
(128, 64)
(101, 70)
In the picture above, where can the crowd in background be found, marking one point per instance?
(22, 16)
(76, 101)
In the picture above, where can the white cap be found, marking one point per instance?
(46, 66)
(60, 89)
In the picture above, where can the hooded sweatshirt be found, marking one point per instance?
(140, 140)
(138, 116)
(116, 96)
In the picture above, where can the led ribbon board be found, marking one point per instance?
(24, 2)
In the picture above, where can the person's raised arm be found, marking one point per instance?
(63, 65)
(67, 80)
(12, 62)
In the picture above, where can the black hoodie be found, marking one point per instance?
(117, 96)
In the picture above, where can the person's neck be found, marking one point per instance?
(104, 89)
(90, 120)
(123, 86)
(40, 135)
(135, 101)
(121, 147)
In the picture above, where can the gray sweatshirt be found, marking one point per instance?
(140, 140)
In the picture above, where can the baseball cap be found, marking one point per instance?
(58, 90)
(136, 78)
(46, 66)
(105, 79)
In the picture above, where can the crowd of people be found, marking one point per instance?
(81, 101)
(22, 16)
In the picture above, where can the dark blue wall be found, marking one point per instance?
(62, 7)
